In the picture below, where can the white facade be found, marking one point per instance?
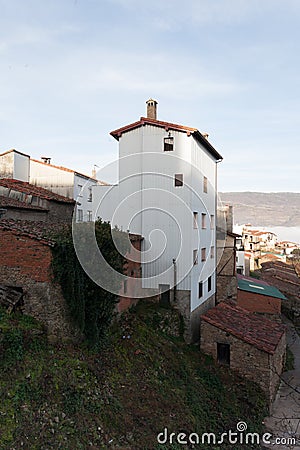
(175, 218)
(65, 182)
(15, 165)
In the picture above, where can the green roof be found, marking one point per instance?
(259, 288)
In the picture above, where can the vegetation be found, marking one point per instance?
(145, 379)
(90, 307)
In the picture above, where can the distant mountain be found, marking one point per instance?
(264, 209)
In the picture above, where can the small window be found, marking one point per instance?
(209, 284)
(89, 216)
(178, 179)
(212, 221)
(195, 224)
(168, 144)
(195, 257)
(223, 353)
(203, 254)
(203, 221)
(90, 197)
(79, 190)
(212, 252)
(125, 286)
(79, 215)
(200, 289)
(205, 184)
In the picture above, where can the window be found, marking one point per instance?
(195, 224)
(203, 221)
(79, 215)
(89, 216)
(212, 252)
(209, 284)
(195, 257)
(205, 184)
(125, 286)
(223, 353)
(79, 190)
(168, 144)
(203, 254)
(178, 179)
(90, 197)
(200, 289)
(212, 221)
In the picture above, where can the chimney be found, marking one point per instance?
(45, 159)
(151, 108)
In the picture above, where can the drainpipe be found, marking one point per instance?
(175, 280)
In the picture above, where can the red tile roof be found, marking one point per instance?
(8, 202)
(30, 189)
(41, 231)
(13, 150)
(258, 331)
(168, 126)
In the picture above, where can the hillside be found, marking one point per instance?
(146, 379)
(265, 209)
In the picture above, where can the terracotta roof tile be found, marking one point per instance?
(30, 189)
(9, 202)
(255, 330)
(41, 231)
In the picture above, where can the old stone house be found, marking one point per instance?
(252, 345)
(24, 201)
(259, 297)
(26, 265)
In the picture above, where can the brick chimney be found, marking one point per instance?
(151, 108)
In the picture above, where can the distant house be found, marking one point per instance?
(258, 296)
(251, 345)
(24, 201)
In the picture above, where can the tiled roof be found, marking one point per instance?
(41, 231)
(30, 189)
(255, 330)
(254, 286)
(8, 202)
(168, 126)
(15, 151)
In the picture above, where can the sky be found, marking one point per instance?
(71, 71)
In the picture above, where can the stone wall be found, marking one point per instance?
(25, 214)
(191, 318)
(226, 271)
(252, 363)
(26, 263)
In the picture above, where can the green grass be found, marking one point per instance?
(66, 397)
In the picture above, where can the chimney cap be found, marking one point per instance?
(151, 100)
(46, 159)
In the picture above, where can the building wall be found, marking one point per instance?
(132, 268)
(25, 214)
(59, 211)
(277, 362)
(14, 164)
(226, 271)
(26, 263)
(246, 359)
(258, 303)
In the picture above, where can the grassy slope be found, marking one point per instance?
(61, 397)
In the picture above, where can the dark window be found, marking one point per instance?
(209, 284)
(223, 353)
(239, 270)
(200, 289)
(168, 144)
(178, 179)
(125, 286)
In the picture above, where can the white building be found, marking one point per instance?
(66, 182)
(167, 194)
(62, 181)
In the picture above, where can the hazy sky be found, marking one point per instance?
(73, 70)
